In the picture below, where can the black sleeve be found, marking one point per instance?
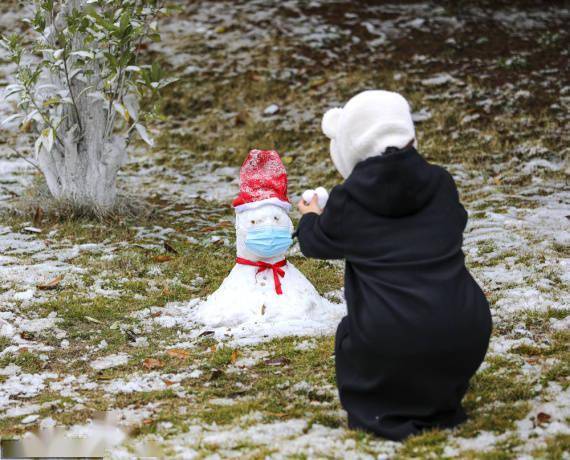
(321, 236)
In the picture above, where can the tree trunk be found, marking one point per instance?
(82, 166)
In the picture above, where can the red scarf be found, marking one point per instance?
(262, 266)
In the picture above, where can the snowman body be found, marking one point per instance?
(249, 294)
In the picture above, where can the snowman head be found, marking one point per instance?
(263, 226)
(263, 233)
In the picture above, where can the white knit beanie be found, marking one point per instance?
(368, 124)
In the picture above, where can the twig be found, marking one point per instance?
(71, 91)
(26, 159)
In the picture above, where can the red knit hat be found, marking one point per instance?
(263, 180)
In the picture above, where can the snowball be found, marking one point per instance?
(322, 196)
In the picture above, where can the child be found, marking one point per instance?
(418, 325)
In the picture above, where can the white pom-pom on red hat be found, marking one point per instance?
(263, 180)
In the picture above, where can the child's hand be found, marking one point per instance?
(305, 208)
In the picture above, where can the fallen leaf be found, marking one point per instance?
(241, 118)
(206, 333)
(93, 320)
(168, 382)
(316, 82)
(169, 248)
(162, 258)
(152, 363)
(263, 309)
(27, 335)
(234, 356)
(179, 353)
(147, 421)
(54, 283)
(213, 348)
(497, 180)
(32, 229)
(543, 417)
(276, 362)
(38, 217)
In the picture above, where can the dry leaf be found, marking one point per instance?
(241, 118)
(162, 258)
(234, 356)
(276, 362)
(93, 320)
(179, 353)
(543, 417)
(152, 363)
(147, 421)
(32, 229)
(168, 382)
(315, 83)
(497, 180)
(169, 248)
(213, 348)
(263, 309)
(38, 216)
(54, 283)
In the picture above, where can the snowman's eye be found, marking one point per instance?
(253, 221)
(276, 217)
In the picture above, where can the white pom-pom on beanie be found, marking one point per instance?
(368, 124)
(330, 122)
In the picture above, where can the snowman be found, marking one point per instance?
(263, 286)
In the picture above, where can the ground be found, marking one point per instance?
(93, 315)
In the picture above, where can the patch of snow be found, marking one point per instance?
(110, 361)
(439, 79)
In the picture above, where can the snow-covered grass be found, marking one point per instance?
(92, 313)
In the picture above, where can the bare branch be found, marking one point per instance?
(27, 160)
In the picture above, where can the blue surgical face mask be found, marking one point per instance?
(268, 241)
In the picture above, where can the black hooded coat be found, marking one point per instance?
(418, 325)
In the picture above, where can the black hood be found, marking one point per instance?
(393, 185)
